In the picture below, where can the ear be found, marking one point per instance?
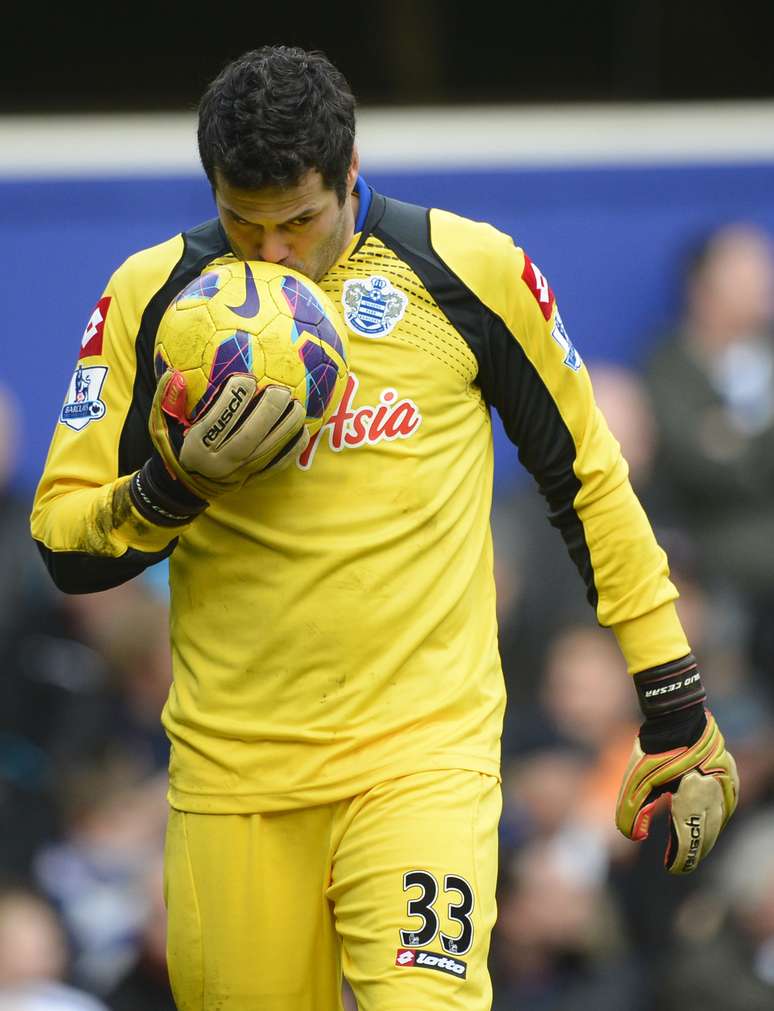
(354, 169)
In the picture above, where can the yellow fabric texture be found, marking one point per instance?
(304, 892)
(334, 626)
(348, 633)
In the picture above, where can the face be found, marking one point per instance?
(735, 289)
(303, 227)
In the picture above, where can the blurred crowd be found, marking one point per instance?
(586, 918)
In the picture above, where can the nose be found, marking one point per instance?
(273, 249)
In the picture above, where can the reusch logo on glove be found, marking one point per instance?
(694, 847)
(407, 957)
(233, 405)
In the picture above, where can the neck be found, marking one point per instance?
(350, 217)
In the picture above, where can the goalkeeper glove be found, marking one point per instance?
(238, 436)
(680, 754)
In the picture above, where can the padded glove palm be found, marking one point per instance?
(241, 435)
(238, 436)
(702, 786)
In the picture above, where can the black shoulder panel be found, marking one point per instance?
(202, 244)
(507, 379)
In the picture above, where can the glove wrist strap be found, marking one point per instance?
(669, 687)
(160, 498)
(679, 729)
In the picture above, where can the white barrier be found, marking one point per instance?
(435, 138)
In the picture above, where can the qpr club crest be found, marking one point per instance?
(372, 307)
(83, 403)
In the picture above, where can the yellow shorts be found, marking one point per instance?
(395, 886)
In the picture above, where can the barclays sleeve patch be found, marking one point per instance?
(571, 357)
(82, 403)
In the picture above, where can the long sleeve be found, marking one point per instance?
(531, 373)
(90, 535)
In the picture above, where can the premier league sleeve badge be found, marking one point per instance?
(82, 403)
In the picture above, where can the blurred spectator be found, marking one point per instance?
(33, 943)
(73, 671)
(584, 699)
(34, 957)
(82, 766)
(559, 945)
(81, 682)
(138, 666)
(540, 789)
(145, 985)
(47, 997)
(585, 691)
(114, 816)
(725, 958)
(711, 379)
(26, 600)
(570, 750)
(24, 585)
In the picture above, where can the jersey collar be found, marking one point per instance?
(363, 191)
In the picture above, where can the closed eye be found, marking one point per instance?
(293, 223)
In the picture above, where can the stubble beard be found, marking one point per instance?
(328, 252)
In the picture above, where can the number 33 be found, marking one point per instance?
(422, 906)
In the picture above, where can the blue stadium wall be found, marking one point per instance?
(610, 240)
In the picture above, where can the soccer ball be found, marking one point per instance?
(260, 319)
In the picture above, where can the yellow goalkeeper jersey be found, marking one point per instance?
(334, 626)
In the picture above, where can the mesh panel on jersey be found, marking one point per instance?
(424, 325)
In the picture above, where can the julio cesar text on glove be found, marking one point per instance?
(679, 753)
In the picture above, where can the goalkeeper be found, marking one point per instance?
(337, 704)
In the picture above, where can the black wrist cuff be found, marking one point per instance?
(678, 729)
(160, 498)
(669, 687)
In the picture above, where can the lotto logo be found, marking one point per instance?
(429, 960)
(536, 281)
(91, 341)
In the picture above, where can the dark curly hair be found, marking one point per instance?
(273, 114)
